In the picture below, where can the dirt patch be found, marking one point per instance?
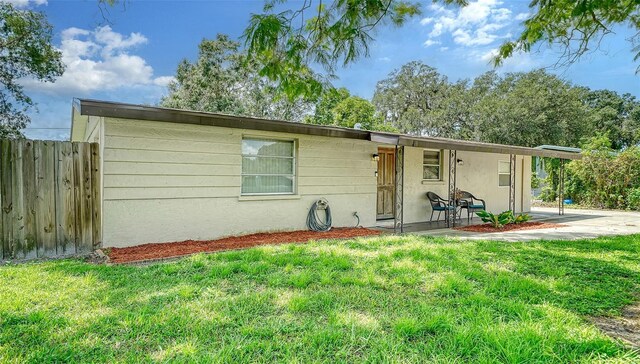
(531, 225)
(169, 250)
(625, 328)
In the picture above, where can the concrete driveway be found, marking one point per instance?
(580, 224)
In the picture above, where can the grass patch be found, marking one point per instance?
(382, 299)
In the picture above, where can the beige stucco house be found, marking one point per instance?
(171, 175)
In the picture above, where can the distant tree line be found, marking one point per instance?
(525, 108)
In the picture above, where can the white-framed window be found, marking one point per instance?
(432, 165)
(504, 173)
(268, 166)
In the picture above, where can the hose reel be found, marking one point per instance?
(314, 222)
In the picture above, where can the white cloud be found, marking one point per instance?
(99, 60)
(426, 21)
(25, 3)
(478, 23)
(384, 59)
(113, 41)
(437, 30)
(163, 80)
(442, 49)
(429, 42)
(522, 16)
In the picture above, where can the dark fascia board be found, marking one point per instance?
(141, 112)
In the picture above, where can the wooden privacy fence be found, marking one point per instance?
(49, 198)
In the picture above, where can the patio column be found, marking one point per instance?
(453, 162)
(512, 183)
(398, 214)
(561, 188)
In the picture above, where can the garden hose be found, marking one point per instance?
(313, 219)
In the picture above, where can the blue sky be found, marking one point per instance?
(133, 56)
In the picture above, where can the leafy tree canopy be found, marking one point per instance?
(25, 51)
(355, 110)
(337, 107)
(531, 109)
(223, 80)
(527, 109)
(285, 42)
(410, 96)
(616, 115)
(323, 113)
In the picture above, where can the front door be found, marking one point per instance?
(386, 183)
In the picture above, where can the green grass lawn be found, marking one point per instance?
(383, 299)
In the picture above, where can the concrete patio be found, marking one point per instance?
(580, 224)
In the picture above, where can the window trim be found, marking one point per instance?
(439, 165)
(508, 173)
(293, 175)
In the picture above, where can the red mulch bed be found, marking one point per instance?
(169, 250)
(531, 225)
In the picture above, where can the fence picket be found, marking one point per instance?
(87, 200)
(95, 193)
(65, 211)
(46, 200)
(17, 200)
(33, 246)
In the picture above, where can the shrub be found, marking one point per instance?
(633, 199)
(502, 219)
(497, 221)
(522, 218)
(605, 178)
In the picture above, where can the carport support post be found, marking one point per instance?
(512, 183)
(398, 215)
(561, 188)
(451, 214)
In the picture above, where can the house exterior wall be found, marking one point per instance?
(478, 175)
(169, 182)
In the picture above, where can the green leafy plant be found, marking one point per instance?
(497, 221)
(522, 218)
(605, 178)
(634, 199)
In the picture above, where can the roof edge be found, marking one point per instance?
(153, 113)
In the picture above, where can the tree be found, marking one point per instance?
(577, 26)
(355, 110)
(410, 97)
(25, 51)
(323, 109)
(223, 80)
(617, 116)
(286, 42)
(526, 109)
(213, 82)
(531, 109)
(338, 32)
(337, 107)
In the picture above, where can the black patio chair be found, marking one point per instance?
(468, 201)
(439, 204)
